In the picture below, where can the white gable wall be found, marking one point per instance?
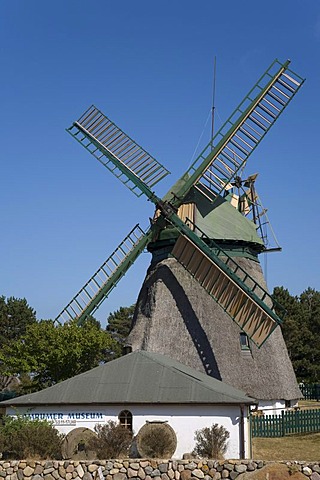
(184, 420)
(274, 407)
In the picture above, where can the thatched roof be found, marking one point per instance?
(176, 317)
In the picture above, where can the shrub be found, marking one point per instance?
(211, 442)
(156, 440)
(112, 440)
(21, 438)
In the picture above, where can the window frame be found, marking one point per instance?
(125, 418)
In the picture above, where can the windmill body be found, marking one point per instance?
(175, 316)
(204, 301)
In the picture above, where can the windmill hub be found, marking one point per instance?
(237, 182)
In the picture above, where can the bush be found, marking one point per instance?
(211, 442)
(112, 440)
(22, 438)
(156, 440)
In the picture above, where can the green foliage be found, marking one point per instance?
(112, 440)
(22, 438)
(119, 323)
(92, 321)
(49, 353)
(15, 316)
(300, 330)
(211, 442)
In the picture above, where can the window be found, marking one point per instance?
(287, 403)
(125, 419)
(244, 341)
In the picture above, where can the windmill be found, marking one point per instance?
(174, 231)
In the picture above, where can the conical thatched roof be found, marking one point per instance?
(176, 317)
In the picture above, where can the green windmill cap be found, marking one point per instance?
(219, 221)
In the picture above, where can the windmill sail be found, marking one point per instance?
(234, 290)
(92, 294)
(216, 166)
(129, 162)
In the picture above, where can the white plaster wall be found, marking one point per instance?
(272, 407)
(184, 420)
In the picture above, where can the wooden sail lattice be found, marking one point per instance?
(117, 151)
(238, 137)
(98, 287)
(234, 290)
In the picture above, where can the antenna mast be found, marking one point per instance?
(213, 98)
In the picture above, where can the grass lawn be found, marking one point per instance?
(306, 404)
(295, 447)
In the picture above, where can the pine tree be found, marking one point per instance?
(119, 323)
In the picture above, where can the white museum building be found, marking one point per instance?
(139, 388)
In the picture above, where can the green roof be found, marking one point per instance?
(218, 220)
(224, 222)
(137, 378)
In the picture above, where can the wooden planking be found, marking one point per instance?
(248, 314)
(290, 422)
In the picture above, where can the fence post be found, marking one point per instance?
(250, 432)
(283, 429)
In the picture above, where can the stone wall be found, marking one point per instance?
(141, 469)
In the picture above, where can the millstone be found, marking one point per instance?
(75, 444)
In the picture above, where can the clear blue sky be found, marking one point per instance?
(148, 66)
